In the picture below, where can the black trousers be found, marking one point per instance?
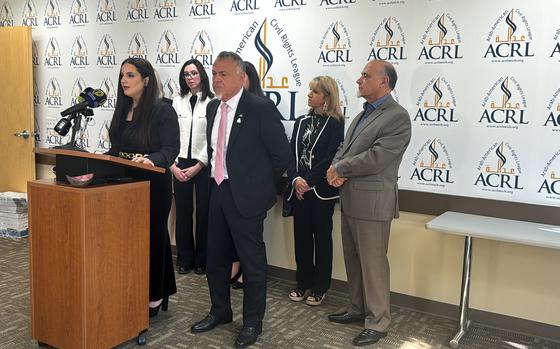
(229, 232)
(191, 251)
(162, 276)
(313, 241)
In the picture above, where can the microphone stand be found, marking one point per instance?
(77, 118)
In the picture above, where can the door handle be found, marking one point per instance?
(23, 134)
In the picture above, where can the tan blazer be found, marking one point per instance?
(370, 159)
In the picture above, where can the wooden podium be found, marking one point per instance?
(89, 258)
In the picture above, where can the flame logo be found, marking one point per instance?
(505, 90)
(438, 92)
(501, 157)
(336, 34)
(107, 87)
(79, 47)
(202, 42)
(52, 11)
(53, 90)
(510, 23)
(53, 50)
(106, 42)
(167, 40)
(442, 27)
(266, 55)
(30, 8)
(5, 14)
(78, 8)
(79, 85)
(35, 91)
(137, 41)
(170, 88)
(389, 31)
(433, 151)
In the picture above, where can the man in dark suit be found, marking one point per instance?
(366, 170)
(247, 151)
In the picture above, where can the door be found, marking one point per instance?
(16, 109)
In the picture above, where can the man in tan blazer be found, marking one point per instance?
(366, 170)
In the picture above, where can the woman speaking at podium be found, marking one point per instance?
(145, 129)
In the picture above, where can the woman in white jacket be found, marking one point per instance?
(190, 174)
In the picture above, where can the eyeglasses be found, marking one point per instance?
(190, 75)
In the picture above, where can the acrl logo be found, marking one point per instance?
(442, 42)
(165, 10)
(202, 49)
(335, 49)
(507, 106)
(167, 53)
(137, 11)
(510, 37)
(436, 104)
(52, 14)
(106, 12)
(435, 171)
(503, 175)
(386, 44)
(78, 13)
(202, 8)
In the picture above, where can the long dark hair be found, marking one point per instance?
(254, 81)
(139, 128)
(204, 81)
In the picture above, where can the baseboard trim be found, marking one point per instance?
(504, 322)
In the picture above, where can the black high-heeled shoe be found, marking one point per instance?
(163, 305)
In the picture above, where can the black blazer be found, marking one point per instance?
(258, 152)
(322, 153)
(164, 137)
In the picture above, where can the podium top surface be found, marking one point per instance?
(101, 157)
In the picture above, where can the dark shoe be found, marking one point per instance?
(237, 285)
(344, 318)
(247, 336)
(208, 323)
(200, 270)
(183, 270)
(368, 337)
(164, 304)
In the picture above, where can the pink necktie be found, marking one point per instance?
(220, 145)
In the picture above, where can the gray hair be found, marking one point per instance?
(240, 65)
(391, 73)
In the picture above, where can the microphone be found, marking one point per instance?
(88, 98)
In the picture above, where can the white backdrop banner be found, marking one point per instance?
(480, 79)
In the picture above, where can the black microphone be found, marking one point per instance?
(88, 98)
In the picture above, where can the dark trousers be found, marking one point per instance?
(162, 276)
(313, 241)
(191, 249)
(229, 232)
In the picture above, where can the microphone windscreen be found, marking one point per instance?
(95, 98)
